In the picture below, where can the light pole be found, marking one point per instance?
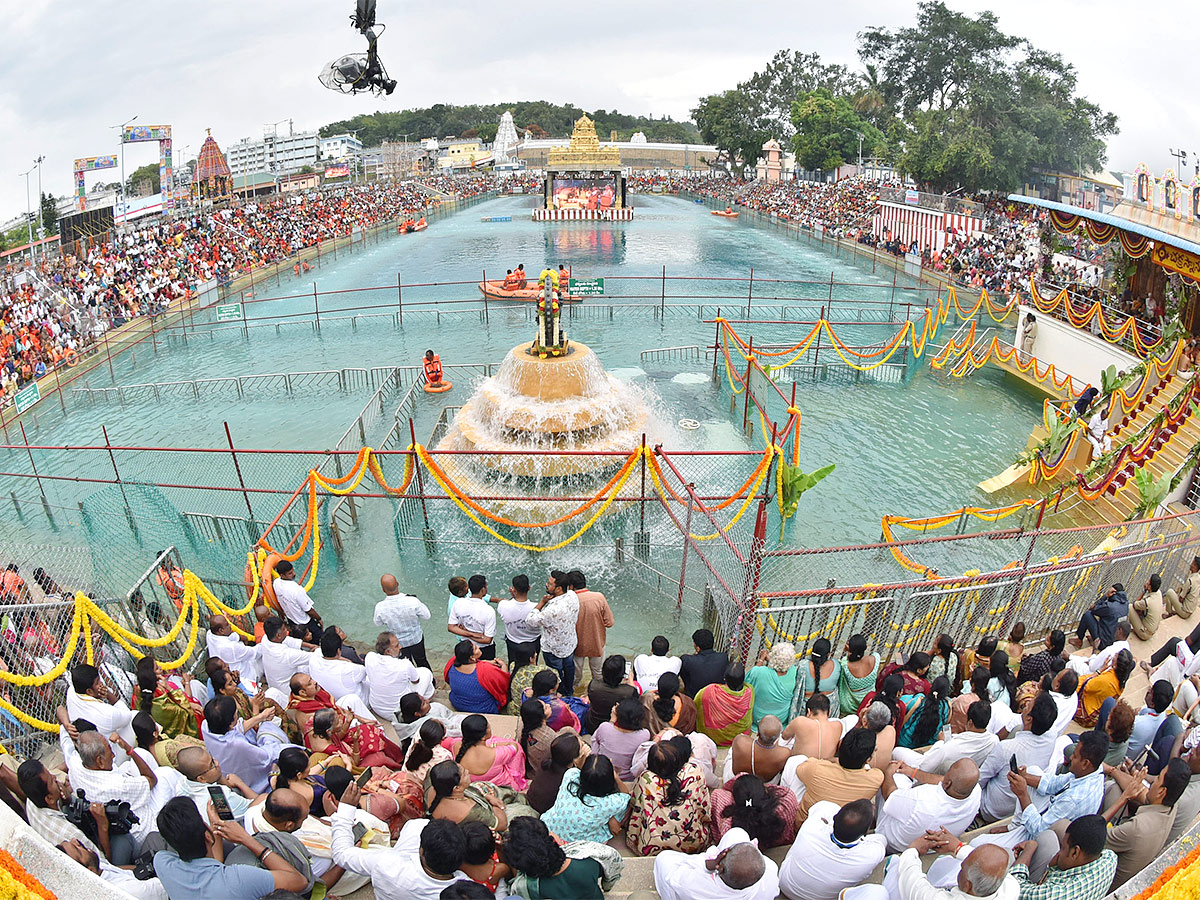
(28, 210)
(121, 139)
(1181, 158)
(41, 218)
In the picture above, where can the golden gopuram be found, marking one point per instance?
(584, 180)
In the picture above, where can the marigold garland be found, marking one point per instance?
(1178, 882)
(17, 884)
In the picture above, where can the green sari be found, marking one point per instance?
(521, 679)
(172, 711)
(852, 691)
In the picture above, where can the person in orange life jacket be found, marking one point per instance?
(521, 280)
(511, 280)
(170, 579)
(12, 585)
(433, 368)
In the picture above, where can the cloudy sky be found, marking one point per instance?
(71, 69)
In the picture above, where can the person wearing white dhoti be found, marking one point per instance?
(832, 851)
(1097, 433)
(732, 870)
(980, 873)
(950, 802)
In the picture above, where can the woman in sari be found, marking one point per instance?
(335, 731)
(171, 708)
(669, 807)
(916, 683)
(535, 735)
(819, 674)
(1095, 689)
(562, 713)
(476, 685)
(526, 666)
(856, 673)
(774, 681)
(426, 752)
(453, 796)
(498, 761)
(392, 801)
(944, 659)
(723, 711)
(666, 707)
(927, 716)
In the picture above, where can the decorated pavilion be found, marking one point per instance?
(211, 178)
(1157, 225)
(584, 180)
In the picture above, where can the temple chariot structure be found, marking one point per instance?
(584, 180)
(211, 177)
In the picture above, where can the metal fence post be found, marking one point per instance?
(687, 533)
(400, 297)
(317, 306)
(663, 299)
(238, 469)
(750, 292)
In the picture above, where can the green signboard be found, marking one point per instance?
(229, 312)
(587, 287)
(26, 397)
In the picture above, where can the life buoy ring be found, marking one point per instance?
(440, 388)
(689, 424)
(71, 358)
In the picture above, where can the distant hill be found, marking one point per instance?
(540, 117)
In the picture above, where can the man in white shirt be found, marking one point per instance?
(1066, 683)
(390, 677)
(121, 879)
(90, 699)
(951, 802)
(338, 676)
(281, 657)
(1090, 665)
(732, 870)
(424, 861)
(472, 617)
(832, 851)
(293, 599)
(402, 614)
(515, 613)
(224, 644)
(1033, 747)
(556, 615)
(90, 769)
(647, 669)
(980, 872)
(975, 744)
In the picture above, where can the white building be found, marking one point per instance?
(279, 153)
(341, 147)
(504, 148)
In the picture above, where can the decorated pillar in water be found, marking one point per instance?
(550, 340)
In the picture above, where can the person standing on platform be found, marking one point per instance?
(556, 614)
(295, 602)
(402, 614)
(1028, 337)
(473, 618)
(514, 611)
(591, 627)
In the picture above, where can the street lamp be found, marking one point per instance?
(1181, 158)
(28, 210)
(121, 139)
(41, 219)
(861, 137)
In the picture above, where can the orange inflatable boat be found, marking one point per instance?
(727, 212)
(495, 290)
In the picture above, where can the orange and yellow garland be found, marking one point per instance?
(17, 884)
(1178, 882)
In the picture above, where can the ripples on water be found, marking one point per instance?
(908, 449)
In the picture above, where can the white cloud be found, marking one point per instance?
(71, 69)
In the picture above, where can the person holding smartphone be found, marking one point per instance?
(194, 866)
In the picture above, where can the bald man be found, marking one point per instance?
(761, 754)
(224, 644)
(929, 801)
(402, 615)
(201, 772)
(733, 870)
(966, 873)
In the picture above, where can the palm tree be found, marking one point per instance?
(868, 99)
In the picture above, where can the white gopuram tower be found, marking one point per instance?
(505, 145)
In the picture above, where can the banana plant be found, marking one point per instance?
(1108, 381)
(794, 483)
(1151, 492)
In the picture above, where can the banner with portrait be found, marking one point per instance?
(585, 193)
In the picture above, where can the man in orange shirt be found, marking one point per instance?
(591, 627)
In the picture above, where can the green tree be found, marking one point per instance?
(827, 129)
(981, 109)
(49, 214)
(724, 121)
(771, 92)
(148, 172)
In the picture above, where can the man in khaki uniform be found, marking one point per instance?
(1183, 602)
(1141, 837)
(1145, 613)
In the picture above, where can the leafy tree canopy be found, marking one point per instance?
(538, 116)
(979, 108)
(827, 130)
(148, 172)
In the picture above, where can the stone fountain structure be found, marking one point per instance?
(550, 394)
